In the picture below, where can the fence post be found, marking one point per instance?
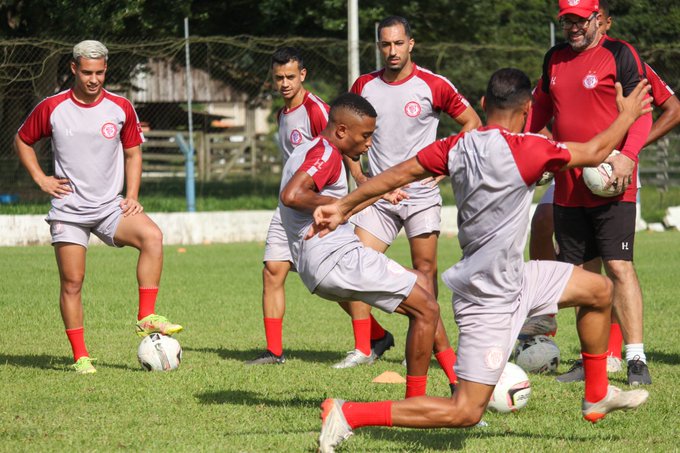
(251, 134)
(190, 185)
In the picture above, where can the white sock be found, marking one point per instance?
(635, 350)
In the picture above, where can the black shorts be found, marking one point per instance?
(607, 231)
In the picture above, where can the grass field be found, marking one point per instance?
(215, 403)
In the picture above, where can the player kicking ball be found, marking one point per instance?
(95, 139)
(337, 266)
(493, 173)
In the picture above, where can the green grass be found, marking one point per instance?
(215, 403)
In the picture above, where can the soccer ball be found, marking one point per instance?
(596, 178)
(538, 354)
(512, 390)
(159, 352)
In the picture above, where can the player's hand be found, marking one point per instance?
(395, 197)
(130, 207)
(57, 187)
(622, 172)
(432, 181)
(326, 219)
(638, 102)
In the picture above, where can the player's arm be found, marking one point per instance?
(468, 119)
(630, 107)
(56, 187)
(133, 180)
(355, 170)
(669, 118)
(329, 216)
(301, 193)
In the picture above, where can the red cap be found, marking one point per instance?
(581, 8)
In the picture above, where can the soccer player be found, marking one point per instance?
(493, 172)
(541, 246)
(587, 227)
(96, 140)
(301, 119)
(338, 267)
(409, 100)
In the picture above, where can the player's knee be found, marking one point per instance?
(621, 271)
(427, 267)
(72, 284)
(273, 273)
(461, 416)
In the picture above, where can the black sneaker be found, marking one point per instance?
(381, 345)
(575, 373)
(638, 373)
(267, 358)
(453, 388)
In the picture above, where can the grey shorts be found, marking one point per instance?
(485, 340)
(77, 233)
(369, 276)
(276, 246)
(384, 220)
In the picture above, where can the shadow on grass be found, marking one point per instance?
(42, 361)
(243, 355)
(663, 357)
(58, 363)
(247, 398)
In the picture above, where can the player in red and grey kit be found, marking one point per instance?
(96, 140)
(493, 173)
(582, 73)
(300, 120)
(541, 244)
(409, 100)
(338, 267)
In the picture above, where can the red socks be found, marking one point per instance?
(415, 385)
(273, 328)
(377, 332)
(368, 414)
(615, 340)
(595, 371)
(76, 338)
(362, 335)
(447, 359)
(147, 302)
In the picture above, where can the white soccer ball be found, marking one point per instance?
(538, 354)
(159, 352)
(512, 390)
(596, 178)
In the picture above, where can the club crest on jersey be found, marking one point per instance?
(574, 2)
(109, 130)
(412, 109)
(590, 81)
(296, 137)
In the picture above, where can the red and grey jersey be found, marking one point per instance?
(577, 90)
(493, 174)
(301, 124)
(660, 90)
(408, 116)
(87, 143)
(315, 257)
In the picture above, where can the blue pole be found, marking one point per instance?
(190, 186)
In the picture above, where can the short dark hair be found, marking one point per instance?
(284, 55)
(604, 6)
(392, 21)
(508, 89)
(353, 102)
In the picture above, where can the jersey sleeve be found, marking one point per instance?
(660, 90)
(323, 164)
(435, 156)
(37, 124)
(446, 98)
(541, 108)
(536, 154)
(317, 111)
(131, 133)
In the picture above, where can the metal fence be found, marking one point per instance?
(233, 99)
